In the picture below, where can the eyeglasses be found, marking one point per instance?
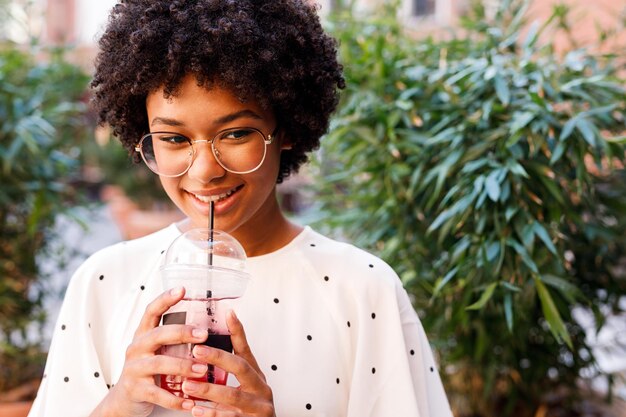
(239, 150)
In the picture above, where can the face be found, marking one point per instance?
(246, 204)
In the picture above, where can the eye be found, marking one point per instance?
(237, 135)
(173, 139)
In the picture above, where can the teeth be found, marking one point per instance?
(209, 198)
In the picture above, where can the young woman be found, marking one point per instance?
(223, 99)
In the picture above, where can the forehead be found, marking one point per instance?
(192, 104)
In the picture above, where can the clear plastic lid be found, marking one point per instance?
(205, 247)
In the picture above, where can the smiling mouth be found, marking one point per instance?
(218, 197)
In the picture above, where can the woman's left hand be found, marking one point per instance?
(252, 398)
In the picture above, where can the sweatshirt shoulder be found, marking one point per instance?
(122, 258)
(348, 259)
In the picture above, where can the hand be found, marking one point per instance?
(252, 398)
(136, 392)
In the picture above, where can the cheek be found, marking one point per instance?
(170, 185)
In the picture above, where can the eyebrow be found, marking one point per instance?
(220, 120)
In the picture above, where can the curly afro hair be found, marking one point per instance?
(271, 51)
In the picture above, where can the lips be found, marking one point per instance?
(216, 195)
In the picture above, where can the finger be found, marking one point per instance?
(167, 365)
(153, 394)
(154, 310)
(249, 378)
(199, 411)
(240, 342)
(229, 396)
(146, 344)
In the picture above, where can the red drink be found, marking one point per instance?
(199, 312)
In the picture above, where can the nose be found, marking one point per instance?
(205, 167)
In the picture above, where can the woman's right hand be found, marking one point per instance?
(136, 393)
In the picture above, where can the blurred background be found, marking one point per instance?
(478, 148)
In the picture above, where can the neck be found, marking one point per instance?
(268, 231)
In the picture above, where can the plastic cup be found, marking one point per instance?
(210, 265)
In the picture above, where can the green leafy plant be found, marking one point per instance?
(489, 172)
(43, 121)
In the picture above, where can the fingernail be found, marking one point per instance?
(232, 315)
(190, 386)
(187, 404)
(199, 368)
(200, 350)
(197, 411)
(177, 292)
(200, 333)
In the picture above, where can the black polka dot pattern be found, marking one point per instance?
(309, 337)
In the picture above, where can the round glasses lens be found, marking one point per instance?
(167, 153)
(240, 150)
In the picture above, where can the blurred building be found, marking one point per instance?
(79, 22)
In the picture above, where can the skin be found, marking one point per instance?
(252, 215)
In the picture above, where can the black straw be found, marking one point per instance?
(211, 223)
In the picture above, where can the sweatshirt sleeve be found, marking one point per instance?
(395, 371)
(74, 382)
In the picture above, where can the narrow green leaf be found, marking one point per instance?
(510, 212)
(502, 90)
(542, 233)
(518, 170)
(558, 152)
(528, 236)
(508, 311)
(568, 128)
(486, 296)
(520, 120)
(510, 286)
(551, 313)
(532, 35)
(493, 186)
(492, 251)
(569, 290)
(616, 139)
(586, 129)
(443, 216)
(460, 248)
(521, 251)
(444, 281)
